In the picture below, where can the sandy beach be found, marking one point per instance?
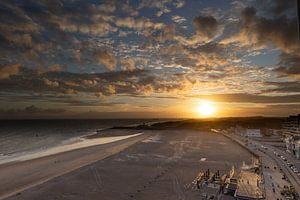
(19, 175)
(161, 166)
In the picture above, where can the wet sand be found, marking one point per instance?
(160, 167)
(83, 143)
(17, 176)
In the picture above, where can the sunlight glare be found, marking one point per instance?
(206, 108)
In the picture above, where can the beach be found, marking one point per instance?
(18, 175)
(158, 164)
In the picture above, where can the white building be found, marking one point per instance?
(291, 130)
(252, 133)
(293, 145)
(297, 149)
(247, 132)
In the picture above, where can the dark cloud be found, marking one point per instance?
(258, 31)
(44, 31)
(279, 110)
(207, 26)
(286, 107)
(31, 110)
(289, 65)
(252, 98)
(284, 87)
(102, 85)
(277, 7)
(273, 24)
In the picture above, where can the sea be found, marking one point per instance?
(21, 137)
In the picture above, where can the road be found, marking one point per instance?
(272, 178)
(292, 176)
(286, 169)
(268, 155)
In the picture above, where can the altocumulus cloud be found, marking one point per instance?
(107, 58)
(9, 70)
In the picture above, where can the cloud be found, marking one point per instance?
(14, 19)
(251, 98)
(178, 19)
(283, 87)
(128, 64)
(137, 23)
(289, 65)
(9, 70)
(100, 95)
(31, 111)
(206, 57)
(56, 67)
(253, 30)
(51, 83)
(61, 46)
(146, 90)
(207, 29)
(179, 3)
(161, 5)
(111, 89)
(107, 7)
(207, 26)
(276, 7)
(272, 25)
(107, 58)
(167, 34)
(77, 55)
(34, 109)
(87, 86)
(19, 39)
(100, 26)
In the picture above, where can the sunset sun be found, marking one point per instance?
(206, 108)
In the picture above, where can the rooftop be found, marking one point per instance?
(248, 186)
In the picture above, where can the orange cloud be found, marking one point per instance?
(9, 70)
(107, 58)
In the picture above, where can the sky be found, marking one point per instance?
(148, 58)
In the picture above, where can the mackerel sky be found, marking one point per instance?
(148, 58)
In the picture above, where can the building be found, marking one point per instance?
(291, 126)
(253, 133)
(249, 186)
(247, 132)
(291, 131)
(292, 143)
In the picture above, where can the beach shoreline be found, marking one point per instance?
(32, 172)
(82, 143)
